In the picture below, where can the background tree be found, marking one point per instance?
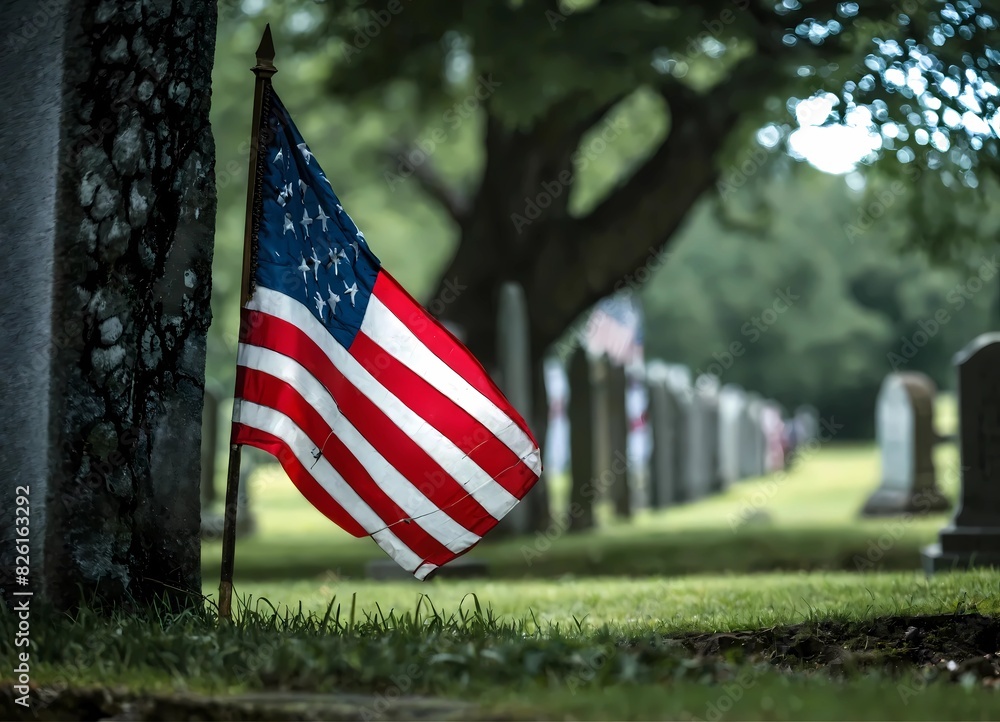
(549, 77)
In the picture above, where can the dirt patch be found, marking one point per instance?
(957, 644)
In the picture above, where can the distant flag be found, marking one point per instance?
(381, 418)
(614, 328)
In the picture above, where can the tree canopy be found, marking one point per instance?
(562, 145)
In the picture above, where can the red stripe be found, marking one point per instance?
(389, 440)
(458, 425)
(300, 476)
(266, 390)
(442, 344)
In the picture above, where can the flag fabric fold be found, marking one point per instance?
(380, 417)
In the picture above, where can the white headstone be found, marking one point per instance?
(732, 401)
(904, 430)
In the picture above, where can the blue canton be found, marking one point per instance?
(308, 246)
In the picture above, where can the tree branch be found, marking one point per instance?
(454, 201)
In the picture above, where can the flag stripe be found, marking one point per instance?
(416, 540)
(382, 327)
(468, 435)
(294, 392)
(425, 454)
(303, 480)
(297, 444)
(440, 341)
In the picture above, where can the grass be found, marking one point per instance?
(588, 649)
(591, 626)
(803, 520)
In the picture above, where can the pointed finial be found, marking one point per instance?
(265, 53)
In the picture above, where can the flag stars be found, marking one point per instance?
(357, 251)
(306, 222)
(304, 269)
(315, 264)
(334, 261)
(289, 226)
(351, 290)
(303, 188)
(280, 157)
(304, 149)
(320, 305)
(322, 218)
(332, 300)
(285, 195)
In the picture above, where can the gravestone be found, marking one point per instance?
(732, 399)
(752, 440)
(703, 439)
(679, 385)
(973, 537)
(904, 429)
(619, 493)
(582, 452)
(108, 186)
(774, 437)
(514, 352)
(664, 473)
(807, 423)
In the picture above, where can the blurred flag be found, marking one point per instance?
(381, 418)
(615, 328)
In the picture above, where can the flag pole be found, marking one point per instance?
(263, 71)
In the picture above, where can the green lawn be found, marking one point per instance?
(803, 520)
(626, 622)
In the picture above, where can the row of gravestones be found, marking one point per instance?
(704, 437)
(906, 439)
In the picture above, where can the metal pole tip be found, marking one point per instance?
(265, 51)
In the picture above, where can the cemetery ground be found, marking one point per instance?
(675, 615)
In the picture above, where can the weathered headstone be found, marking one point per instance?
(774, 437)
(973, 537)
(619, 492)
(679, 384)
(703, 439)
(107, 179)
(807, 423)
(752, 440)
(732, 399)
(581, 434)
(663, 418)
(514, 352)
(904, 429)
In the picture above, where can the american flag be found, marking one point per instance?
(380, 417)
(614, 328)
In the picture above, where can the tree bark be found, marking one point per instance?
(136, 213)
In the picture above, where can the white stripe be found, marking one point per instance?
(281, 426)
(423, 571)
(483, 488)
(382, 327)
(397, 487)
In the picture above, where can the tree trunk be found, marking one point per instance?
(133, 249)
